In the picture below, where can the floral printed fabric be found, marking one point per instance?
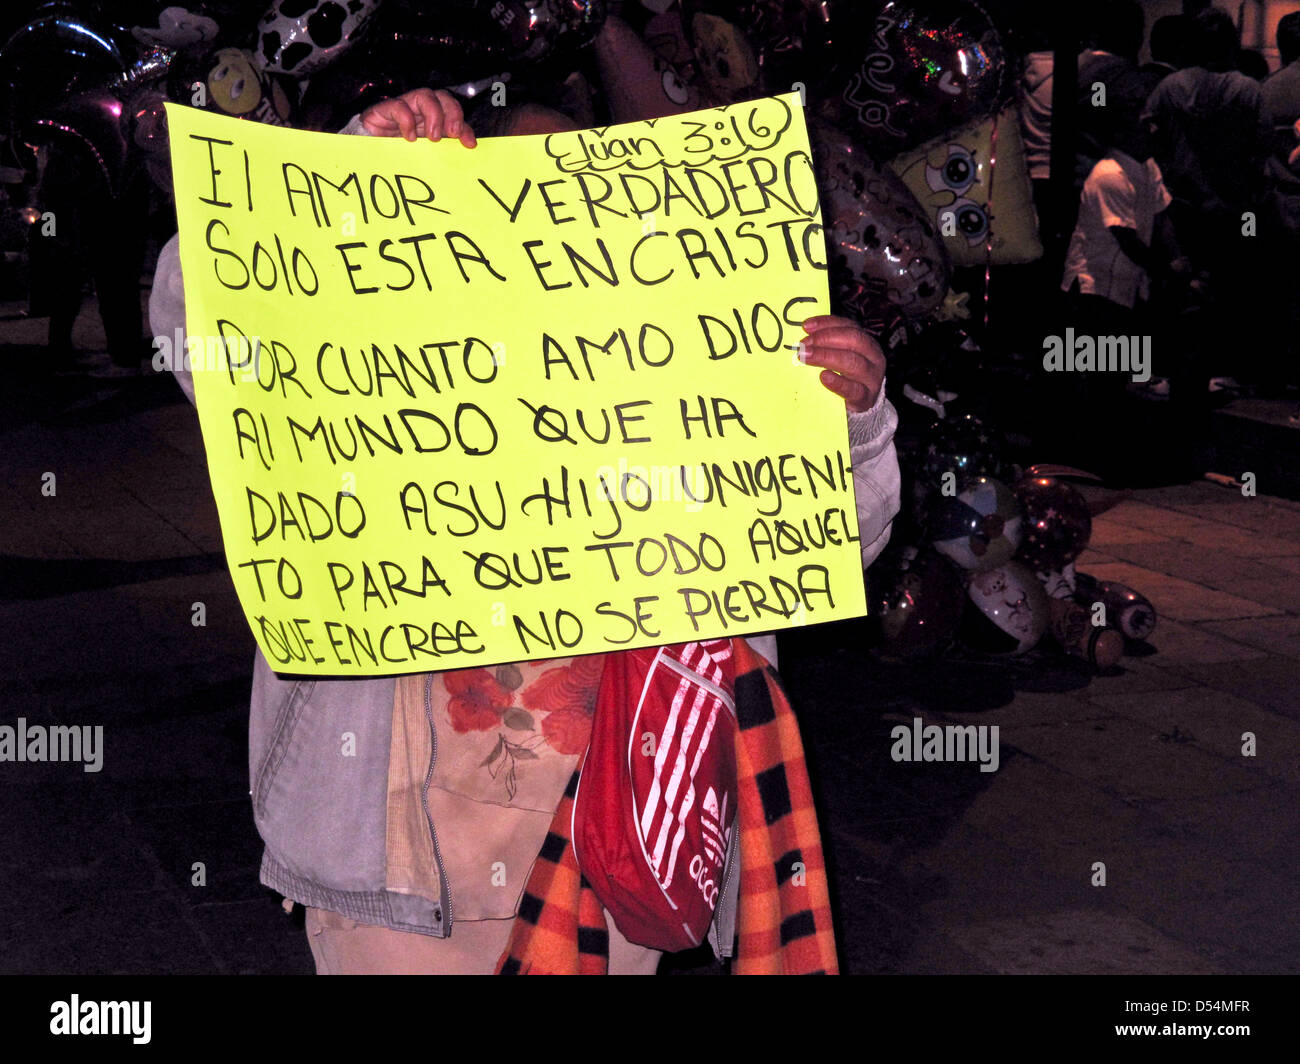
(552, 713)
(509, 738)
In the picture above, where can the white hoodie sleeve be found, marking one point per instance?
(876, 480)
(167, 316)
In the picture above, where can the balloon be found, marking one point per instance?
(881, 245)
(461, 40)
(915, 601)
(920, 69)
(541, 27)
(944, 362)
(749, 48)
(978, 528)
(1059, 585)
(94, 121)
(1126, 609)
(148, 125)
(1011, 610)
(1049, 469)
(229, 81)
(55, 55)
(1072, 627)
(951, 176)
(300, 37)
(1057, 523)
(178, 29)
(891, 329)
(963, 446)
(665, 36)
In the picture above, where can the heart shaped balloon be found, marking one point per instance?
(882, 247)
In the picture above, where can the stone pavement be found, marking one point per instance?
(935, 867)
(941, 868)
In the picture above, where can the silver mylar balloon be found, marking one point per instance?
(880, 244)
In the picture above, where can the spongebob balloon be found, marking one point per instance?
(951, 177)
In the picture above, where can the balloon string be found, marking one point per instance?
(988, 236)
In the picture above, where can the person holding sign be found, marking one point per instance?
(406, 814)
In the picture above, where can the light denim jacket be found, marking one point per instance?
(323, 817)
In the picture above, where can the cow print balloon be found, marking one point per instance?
(300, 37)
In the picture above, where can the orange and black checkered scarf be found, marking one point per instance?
(784, 918)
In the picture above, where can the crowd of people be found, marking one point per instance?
(1184, 211)
(1187, 190)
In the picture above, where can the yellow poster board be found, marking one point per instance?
(532, 399)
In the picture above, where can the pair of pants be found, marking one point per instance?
(341, 946)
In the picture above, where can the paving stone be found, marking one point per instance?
(877, 940)
(1270, 591)
(1130, 760)
(256, 937)
(1257, 826)
(1242, 542)
(175, 688)
(174, 750)
(218, 835)
(1091, 557)
(1272, 681)
(148, 540)
(880, 845)
(120, 934)
(1286, 564)
(1109, 533)
(1203, 492)
(1179, 646)
(933, 953)
(861, 791)
(1215, 721)
(18, 698)
(1079, 942)
(1268, 516)
(1215, 535)
(1213, 900)
(1187, 561)
(52, 849)
(1159, 519)
(1243, 957)
(1028, 707)
(1280, 635)
(1181, 599)
(1140, 674)
(1037, 809)
(40, 534)
(964, 875)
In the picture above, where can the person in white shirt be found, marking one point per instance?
(1109, 256)
(1121, 238)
